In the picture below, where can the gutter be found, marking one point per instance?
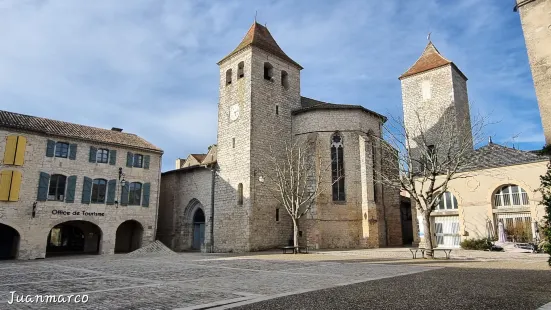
(523, 3)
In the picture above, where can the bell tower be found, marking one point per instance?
(259, 87)
(434, 94)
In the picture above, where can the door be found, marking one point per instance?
(198, 235)
(447, 231)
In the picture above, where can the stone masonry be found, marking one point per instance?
(33, 231)
(535, 16)
(261, 112)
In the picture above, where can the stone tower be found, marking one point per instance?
(259, 87)
(535, 16)
(434, 95)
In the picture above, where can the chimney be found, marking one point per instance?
(116, 129)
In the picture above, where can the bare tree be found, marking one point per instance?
(429, 156)
(296, 177)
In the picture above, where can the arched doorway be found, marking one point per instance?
(9, 242)
(129, 237)
(73, 237)
(198, 229)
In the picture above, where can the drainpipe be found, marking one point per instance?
(213, 169)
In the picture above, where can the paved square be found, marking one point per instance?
(188, 280)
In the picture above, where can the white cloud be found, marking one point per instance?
(149, 66)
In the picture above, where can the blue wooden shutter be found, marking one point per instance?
(93, 152)
(146, 189)
(43, 185)
(146, 159)
(111, 188)
(86, 190)
(73, 151)
(50, 147)
(71, 185)
(112, 157)
(129, 158)
(124, 194)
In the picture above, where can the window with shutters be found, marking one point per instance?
(14, 153)
(102, 156)
(10, 183)
(135, 193)
(337, 167)
(61, 149)
(56, 190)
(99, 188)
(138, 161)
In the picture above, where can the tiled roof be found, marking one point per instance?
(308, 104)
(495, 155)
(259, 36)
(63, 129)
(199, 157)
(430, 59)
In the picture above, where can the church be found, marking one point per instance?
(219, 201)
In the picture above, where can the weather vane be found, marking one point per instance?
(428, 37)
(255, 12)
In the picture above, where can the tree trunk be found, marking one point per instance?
(295, 235)
(428, 234)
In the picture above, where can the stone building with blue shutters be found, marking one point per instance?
(67, 188)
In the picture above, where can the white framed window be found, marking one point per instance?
(511, 196)
(447, 202)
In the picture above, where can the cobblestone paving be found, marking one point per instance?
(183, 281)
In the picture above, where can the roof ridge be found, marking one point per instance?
(259, 36)
(427, 61)
(66, 129)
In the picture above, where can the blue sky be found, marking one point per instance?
(149, 66)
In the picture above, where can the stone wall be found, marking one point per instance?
(182, 192)
(34, 231)
(234, 156)
(446, 106)
(536, 25)
(369, 212)
(270, 134)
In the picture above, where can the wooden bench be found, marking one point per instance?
(447, 252)
(298, 249)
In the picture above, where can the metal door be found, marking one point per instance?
(447, 231)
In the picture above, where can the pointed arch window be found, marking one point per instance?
(337, 167)
(241, 70)
(228, 77)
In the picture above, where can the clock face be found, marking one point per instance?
(234, 112)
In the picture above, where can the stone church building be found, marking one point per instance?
(222, 204)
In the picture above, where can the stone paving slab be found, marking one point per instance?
(183, 281)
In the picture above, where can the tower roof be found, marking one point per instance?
(430, 59)
(260, 37)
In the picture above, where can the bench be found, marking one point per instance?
(298, 249)
(447, 252)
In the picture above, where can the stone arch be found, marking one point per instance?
(189, 226)
(9, 242)
(74, 237)
(129, 236)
